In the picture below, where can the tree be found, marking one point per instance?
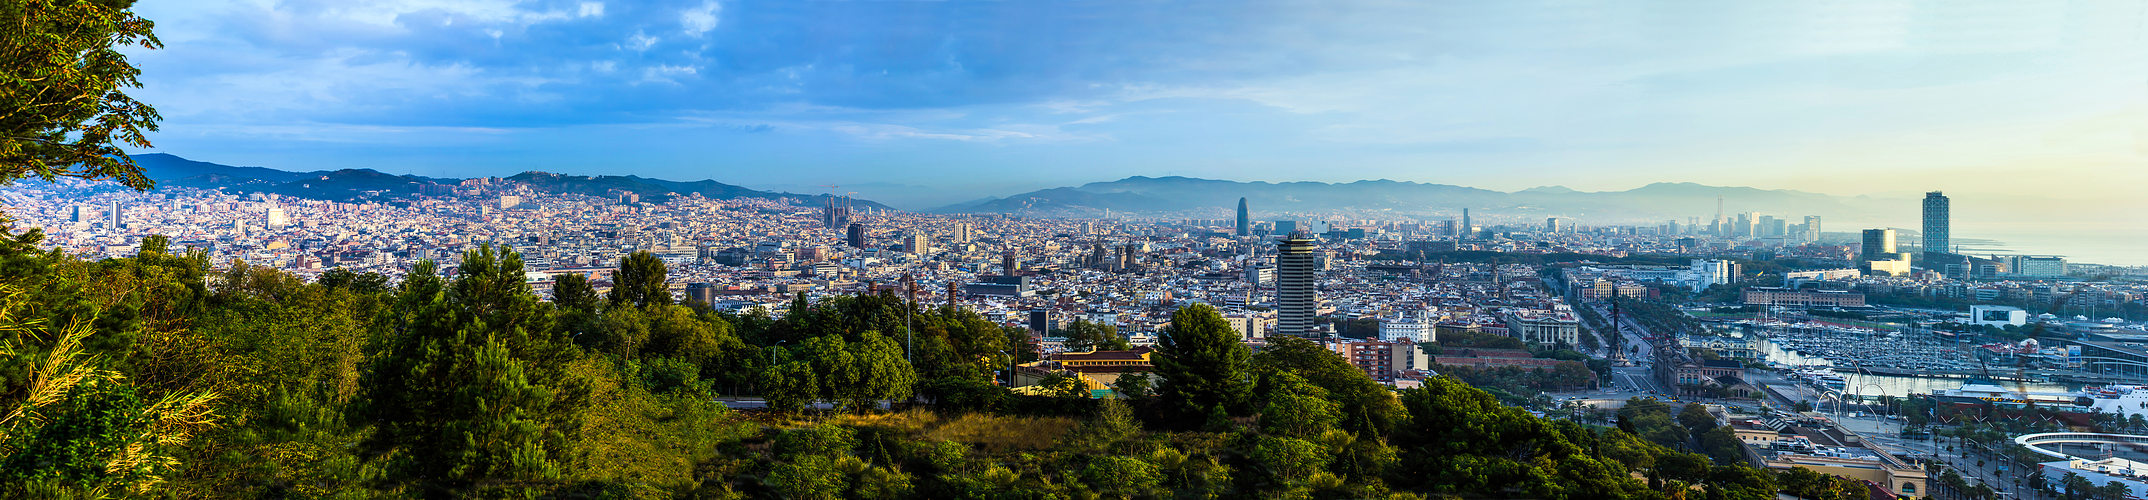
(1696, 418)
(640, 281)
(1297, 408)
(1290, 459)
(1121, 477)
(883, 374)
(472, 389)
(789, 386)
(572, 291)
(1083, 335)
(1721, 444)
(62, 111)
(1366, 406)
(77, 427)
(1202, 364)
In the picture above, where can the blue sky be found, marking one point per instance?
(924, 103)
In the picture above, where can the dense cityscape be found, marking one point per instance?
(1754, 318)
(875, 250)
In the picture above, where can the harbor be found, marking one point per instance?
(1870, 362)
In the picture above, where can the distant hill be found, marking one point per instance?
(364, 184)
(1660, 201)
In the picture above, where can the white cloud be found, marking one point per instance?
(665, 73)
(640, 41)
(699, 21)
(592, 9)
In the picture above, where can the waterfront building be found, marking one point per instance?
(1990, 315)
(2099, 473)
(2039, 266)
(1899, 478)
(1936, 226)
(1784, 297)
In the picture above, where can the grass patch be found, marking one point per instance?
(1002, 433)
(911, 421)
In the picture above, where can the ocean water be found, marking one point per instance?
(2121, 243)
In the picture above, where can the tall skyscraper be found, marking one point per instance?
(1812, 228)
(1878, 245)
(1007, 264)
(962, 232)
(1466, 229)
(857, 235)
(1245, 219)
(1551, 224)
(116, 216)
(1296, 299)
(1936, 237)
(80, 214)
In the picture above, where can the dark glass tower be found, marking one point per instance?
(1245, 220)
(857, 235)
(1937, 238)
(1296, 298)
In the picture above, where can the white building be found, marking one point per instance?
(1990, 315)
(1543, 328)
(1416, 325)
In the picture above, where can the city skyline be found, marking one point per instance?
(963, 98)
(705, 248)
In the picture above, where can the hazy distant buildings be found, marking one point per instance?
(1245, 219)
(835, 213)
(1551, 225)
(1296, 299)
(2039, 266)
(1936, 236)
(1709, 272)
(1286, 227)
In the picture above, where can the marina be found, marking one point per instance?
(1868, 363)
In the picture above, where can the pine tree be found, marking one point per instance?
(640, 281)
(472, 390)
(1202, 364)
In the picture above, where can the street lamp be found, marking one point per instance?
(772, 352)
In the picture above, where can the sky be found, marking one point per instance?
(920, 104)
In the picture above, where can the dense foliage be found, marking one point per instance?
(64, 111)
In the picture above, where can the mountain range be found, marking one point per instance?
(1653, 202)
(367, 184)
(1132, 195)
